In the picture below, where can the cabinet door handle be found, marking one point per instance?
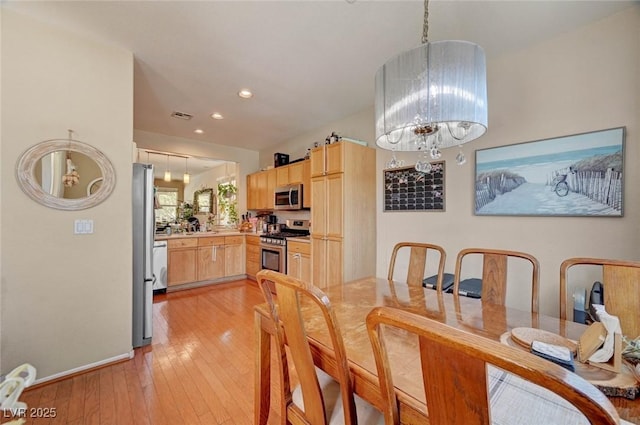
(214, 253)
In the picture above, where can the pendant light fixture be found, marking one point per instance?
(167, 172)
(431, 97)
(186, 178)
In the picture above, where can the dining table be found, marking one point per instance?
(353, 300)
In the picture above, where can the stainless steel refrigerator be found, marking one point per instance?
(143, 233)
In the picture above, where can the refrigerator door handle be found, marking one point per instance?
(148, 309)
(149, 225)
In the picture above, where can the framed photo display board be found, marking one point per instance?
(406, 189)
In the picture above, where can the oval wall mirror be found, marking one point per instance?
(65, 174)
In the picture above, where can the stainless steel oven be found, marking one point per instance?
(273, 246)
(273, 257)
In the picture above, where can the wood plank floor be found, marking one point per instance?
(198, 369)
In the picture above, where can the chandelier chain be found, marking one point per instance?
(425, 24)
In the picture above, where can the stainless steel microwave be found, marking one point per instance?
(288, 197)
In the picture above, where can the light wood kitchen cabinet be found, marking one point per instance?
(343, 230)
(296, 172)
(307, 200)
(328, 197)
(317, 161)
(271, 187)
(282, 176)
(205, 258)
(234, 255)
(252, 255)
(329, 159)
(211, 258)
(181, 261)
(252, 191)
(261, 179)
(260, 188)
(261, 185)
(300, 172)
(299, 260)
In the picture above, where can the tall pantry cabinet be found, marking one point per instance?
(343, 215)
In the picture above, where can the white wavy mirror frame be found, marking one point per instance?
(30, 185)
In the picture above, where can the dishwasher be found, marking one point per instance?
(159, 267)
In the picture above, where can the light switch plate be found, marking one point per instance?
(83, 227)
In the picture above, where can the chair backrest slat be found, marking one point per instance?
(445, 407)
(418, 262)
(621, 287)
(494, 274)
(494, 278)
(300, 353)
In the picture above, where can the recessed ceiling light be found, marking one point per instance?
(198, 131)
(217, 116)
(245, 93)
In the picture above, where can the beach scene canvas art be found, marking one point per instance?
(577, 175)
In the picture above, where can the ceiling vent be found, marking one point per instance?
(181, 115)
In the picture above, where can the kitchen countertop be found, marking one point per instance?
(164, 237)
(304, 239)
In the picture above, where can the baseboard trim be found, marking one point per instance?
(202, 283)
(80, 370)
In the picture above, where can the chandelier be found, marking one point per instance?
(430, 98)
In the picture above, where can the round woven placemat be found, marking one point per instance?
(525, 336)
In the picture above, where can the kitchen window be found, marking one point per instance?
(168, 204)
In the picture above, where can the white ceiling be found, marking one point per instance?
(308, 62)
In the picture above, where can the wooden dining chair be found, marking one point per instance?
(319, 399)
(494, 274)
(621, 289)
(418, 262)
(455, 371)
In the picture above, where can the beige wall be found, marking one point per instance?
(358, 126)
(208, 179)
(66, 299)
(585, 80)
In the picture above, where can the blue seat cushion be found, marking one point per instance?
(471, 287)
(432, 281)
